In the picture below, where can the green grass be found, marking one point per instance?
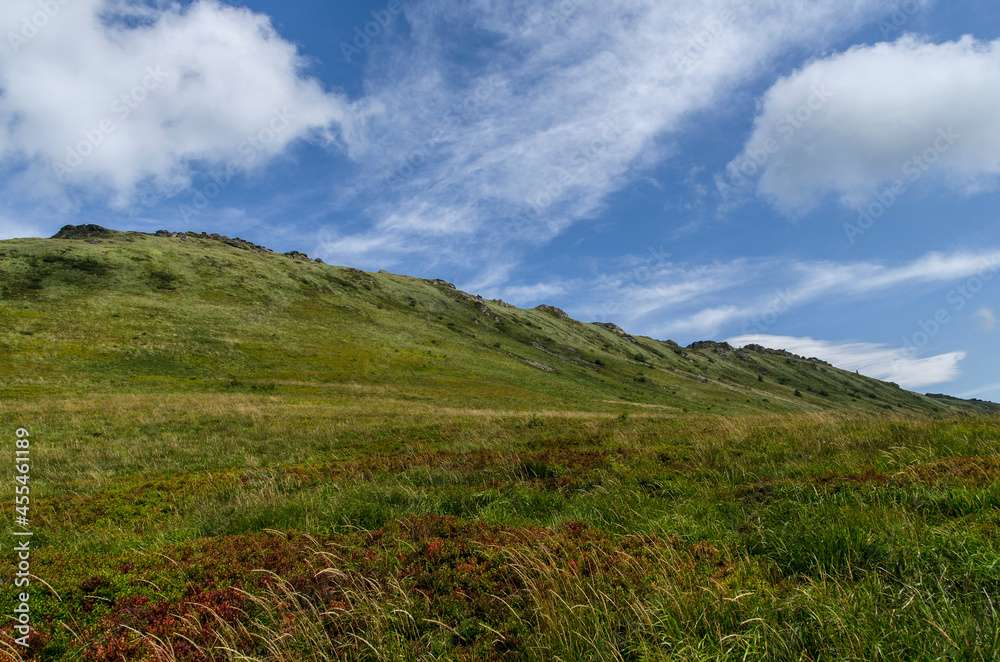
(196, 315)
(305, 466)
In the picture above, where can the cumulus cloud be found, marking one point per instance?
(117, 97)
(563, 105)
(871, 359)
(856, 123)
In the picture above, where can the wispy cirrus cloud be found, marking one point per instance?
(858, 278)
(697, 302)
(993, 389)
(560, 106)
(750, 295)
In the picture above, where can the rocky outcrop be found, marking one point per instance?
(534, 364)
(88, 231)
(613, 328)
(617, 330)
(760, 349)
(555, 312)
(235, 242)
(710, 344)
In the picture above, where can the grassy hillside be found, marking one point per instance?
(99, 312)
(241, 455)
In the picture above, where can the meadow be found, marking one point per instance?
(319, 470)
(292, 528)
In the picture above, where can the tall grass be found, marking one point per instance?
(573, 598)
(506, 535)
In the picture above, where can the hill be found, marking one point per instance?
(224, 453)
(98, 310)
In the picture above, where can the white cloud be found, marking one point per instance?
(871, 359)
(862, 277)
(562, 107)
(641, 293)
(666, 298)
(987, 320)
(129, 97)
(706, 321)
(855, 123)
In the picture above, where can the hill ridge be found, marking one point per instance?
(183, 308)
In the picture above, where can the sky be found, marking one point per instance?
(815, 175)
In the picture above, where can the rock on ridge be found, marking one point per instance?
(555, 312)
(617, 330)
(82, 232)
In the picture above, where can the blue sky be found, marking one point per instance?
(817, 175)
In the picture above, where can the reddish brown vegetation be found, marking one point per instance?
(975, 471)
(456, 572)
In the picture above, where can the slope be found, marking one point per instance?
(94, 310)
(240, 454)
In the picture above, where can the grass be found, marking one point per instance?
(194, 315)
(223, 470)
(768, 537)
